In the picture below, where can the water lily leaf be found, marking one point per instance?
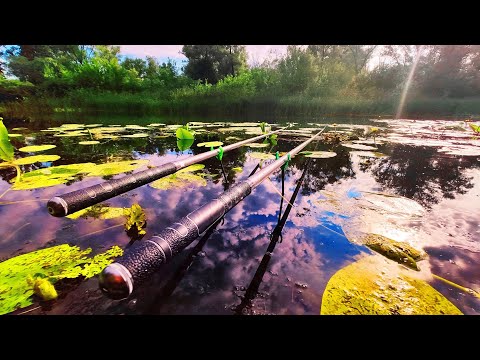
(71, 133)
(14, 135)
(191, 168)
(91, 142)
(54, 263)
(400, 252)
(36, 148)
(237, 169)
(210, 144)
(61, 170)
(321, 154)
(36, 158)
(245, 124)
(137, 127)
(375, 154)
(232, 138)
(107, 130)
(365, 288)
(118, 167)
(359, 147)
(40, 182)
(156, 124)
(136, 221)
(183, 144)
(93, 125)
(181, 178)
(475, 128)
(98, 211)
(19, 128)
(183, 134)
(257, 145)
(137, 135)
(261, 156)
(6, 148)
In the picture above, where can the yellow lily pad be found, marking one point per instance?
(36, 148)
(98, 211)
(36, 158)
(237, 169)
(257, 145)
(181, 178)
(118, 167)
(261, 156)
(210, 143)
(14, 135)
(92, 142)
(367, 288)
(138, 135)
(321, 154)
(359, 147)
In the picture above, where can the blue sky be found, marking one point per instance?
(256, 53)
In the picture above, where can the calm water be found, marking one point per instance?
(219, 274)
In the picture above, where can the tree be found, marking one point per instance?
(139, 65)
(211, 63)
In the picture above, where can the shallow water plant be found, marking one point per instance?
(21, 276)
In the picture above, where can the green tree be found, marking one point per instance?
(211, 63)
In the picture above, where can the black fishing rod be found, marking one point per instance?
(252, 289)
(142, 259)
(80, 199)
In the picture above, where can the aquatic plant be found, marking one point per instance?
(135, 222)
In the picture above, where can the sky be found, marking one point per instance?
(256, 53)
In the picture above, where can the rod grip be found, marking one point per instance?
(80, 199)
(146, 257)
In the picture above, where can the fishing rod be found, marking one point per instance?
(71, 202)
(252, 289)
(142, 259)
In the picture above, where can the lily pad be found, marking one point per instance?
(257, 145)
(321, 154)
(365, 288)
(400, 252)
(184, 134)
(375, 154)
(14, 135)
(184, 144)
(359, 147)
(93, 125)
(237, 169)
(92, 142)
(118, 167)
(137, 127)
(181, 178)
(210, 144)
(40, 182)
(36, 148)
(261, 156)
(71, 134)
(6, 148)
(137, 135)
(19, 128)
(54, 263)
(156, 124)
(36, 158)
(98, 211)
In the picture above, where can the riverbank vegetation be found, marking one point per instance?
(309, 80)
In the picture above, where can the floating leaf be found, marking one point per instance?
(137, 127)
(40, 182)
(54, 263)
(19, 128)
(475, 128)
(138, 135)
(375, 154)
(98, 211)
(136, 221)
(183, 144)
(400, 252)
(61, 170)
(183, 134)
(36, 148)
(359, 147)
(257, 145)
(261, 156)
(71, 133)
(118, 167)
(156, 124)
(244, 124)
(181, 178)
(36, 158)
(14, 135)
(210, 144)
(6, 148)
(91, 142)
(321, 154)
(93, 125)
(237, 169)
(365, 288)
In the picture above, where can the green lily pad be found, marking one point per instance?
(93, 125)
(54, 263)
(138, 135)
(71, 134)
(19, 128)
(92, 142)
(400, 252)
(137, 127)
(181, 178)
(98, 211)
(321, 154)
(261, 156)
(359, 147)
(36, 148)
(40, 182)
(366, 288)
(183, 134)
(37, 158)
(14, 135)
(210, 144)
(156, 124)
(6, 148)
(257, 145)
(118, 167)
(237, 169)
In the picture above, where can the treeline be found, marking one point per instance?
(314, 79)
